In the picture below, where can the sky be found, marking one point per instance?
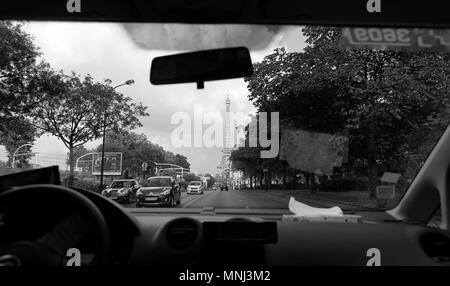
(121, 52)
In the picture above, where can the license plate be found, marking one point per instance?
(150, 199)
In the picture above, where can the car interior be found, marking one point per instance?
(40, 218)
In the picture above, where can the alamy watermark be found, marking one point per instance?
(210, 129)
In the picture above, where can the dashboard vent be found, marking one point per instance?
(437, 247)
(181, 233)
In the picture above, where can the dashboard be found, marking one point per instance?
(187, 236)
(160, 237)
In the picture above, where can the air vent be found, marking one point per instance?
(437, 247)
(181, 233)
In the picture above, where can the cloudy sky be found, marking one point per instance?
(119, 53)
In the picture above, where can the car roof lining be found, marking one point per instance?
(272, 12)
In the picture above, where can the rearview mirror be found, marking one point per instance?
(202, 66)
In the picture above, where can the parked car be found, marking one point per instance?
(159, 191)
(195, 187)
(224, 187)
(122, 191)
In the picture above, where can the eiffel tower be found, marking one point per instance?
(224, 168)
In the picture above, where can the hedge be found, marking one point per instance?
(344, 184)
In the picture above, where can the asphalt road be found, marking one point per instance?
(242, 199)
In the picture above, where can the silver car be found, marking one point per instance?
(195, 187)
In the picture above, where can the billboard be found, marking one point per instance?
(112, 165)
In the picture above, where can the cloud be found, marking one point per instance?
(199, 37)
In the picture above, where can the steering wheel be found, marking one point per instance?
(51, 248)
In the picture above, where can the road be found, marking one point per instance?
(248, 199)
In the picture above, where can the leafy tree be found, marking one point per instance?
(78, 152)
(392, 94)
(180, 160)
(210, 180)
(380, 97)
(77, 109)
(18, 68)
(189, 177)
(137, 149)
(15, 134)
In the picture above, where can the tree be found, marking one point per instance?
(210, 180)
(181, 160)
(137, 149)
(393, 94)
(78, 152)
(15, 134)
(18, 68)
(380, 97)
(189, 177)
(76, 109)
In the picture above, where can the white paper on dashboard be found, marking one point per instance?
(301, 209)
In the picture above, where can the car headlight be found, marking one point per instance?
(123, 191)
(138, 193)
(166, 192)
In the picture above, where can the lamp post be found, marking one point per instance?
(266, 173)
(128, 82)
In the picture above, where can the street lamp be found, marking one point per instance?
(128, 82)
(266, 173)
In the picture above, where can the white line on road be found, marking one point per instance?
(194, 200)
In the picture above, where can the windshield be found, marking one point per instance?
(157, 182)
(121, 184)
(319, 121)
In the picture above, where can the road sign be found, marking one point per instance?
(396, 39)
(385, 192)
(112, 165)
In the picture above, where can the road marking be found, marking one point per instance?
(194, 200)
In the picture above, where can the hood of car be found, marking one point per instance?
(155, 190)
(113, 190)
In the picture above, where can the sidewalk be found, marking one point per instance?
(352, 198)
